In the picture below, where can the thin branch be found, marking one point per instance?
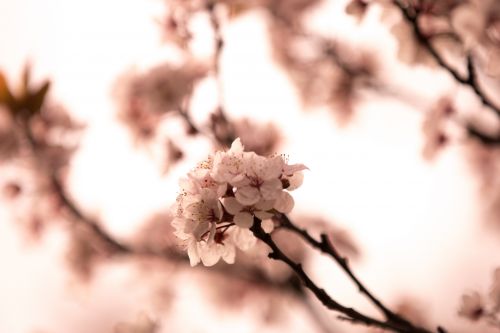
(113, 244)
(218, 40)
(321, 294)
(219, 43)
(485, 139)
(327, 247)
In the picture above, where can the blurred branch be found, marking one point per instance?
(485, 139)
(411, 15)
(350, 313)
(218, 48)
(57, 186)
(218, 40)
(327, 247)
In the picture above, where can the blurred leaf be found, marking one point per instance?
(35, 101)
(5, 94)
(237, 9)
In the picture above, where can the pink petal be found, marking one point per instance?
(232, 205)
(247, 195)
(271, 189)
(284, 203)
(268, 226)
(243, 238)
(291, 169)
(243, 220)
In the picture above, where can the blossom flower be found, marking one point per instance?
(261, 181)
(243, 215)
(220, 199)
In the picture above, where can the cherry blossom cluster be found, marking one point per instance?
(220, 198)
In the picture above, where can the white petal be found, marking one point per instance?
(268, 226)
(239, 180)
(264, 204)
(187, 185)
(221, 189)
(247, 195)
(209, 254)
(193, 255)
(271, 189)
(243, 219)
(263, 215)
(295, 181)
(232, 205)
(178, 223)
(243, 238)
(236, 146)
(284, 203)
(218, 210)
(229, 253)
(274, 167)
(218, 166)
(291, 169)
(201, 229)
(189, 226)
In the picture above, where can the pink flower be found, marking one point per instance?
(261, 181)
(222, 196)
(228, 167)
(243, 215)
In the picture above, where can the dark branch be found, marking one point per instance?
(327, 247)
(350, 313)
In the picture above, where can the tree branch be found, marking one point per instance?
(352, 314)
(327, 247)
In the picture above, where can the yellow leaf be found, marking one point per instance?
(35, 101)
(6, 97)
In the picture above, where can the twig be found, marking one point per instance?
(322, 295)
(218, 40)
(219, 43)
(327, 247)
(91, 224)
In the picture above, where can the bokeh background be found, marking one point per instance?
(419, 221)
